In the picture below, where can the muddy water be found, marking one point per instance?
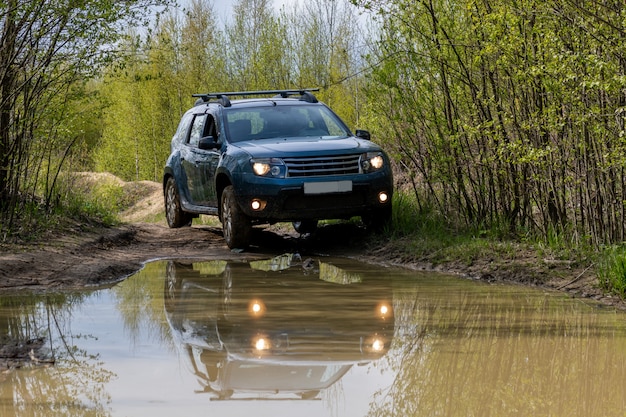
(309, 337)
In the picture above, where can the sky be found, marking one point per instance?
(224, 7)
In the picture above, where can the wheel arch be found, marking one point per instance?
(174, 170)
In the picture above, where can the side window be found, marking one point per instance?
(183, 128)
(197, 128)
(210, 129)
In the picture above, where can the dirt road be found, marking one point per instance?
(108, 255)
(86, 255)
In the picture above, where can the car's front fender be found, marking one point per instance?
(174, 169)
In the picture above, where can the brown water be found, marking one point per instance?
(312, 337)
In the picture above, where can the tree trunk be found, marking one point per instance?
(7, 80)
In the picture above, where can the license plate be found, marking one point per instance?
(327, 187)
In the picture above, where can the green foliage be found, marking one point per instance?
(423, 234)
(612, 270)
(259, 48)
(101, 202)
(75, 204)
(50, 50)
(507, 115)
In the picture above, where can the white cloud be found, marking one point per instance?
(224, 7)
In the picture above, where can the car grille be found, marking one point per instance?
(320, 166)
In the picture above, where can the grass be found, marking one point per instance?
(421, 235)
(425, 235)
(99, 205)
(74, 208)
(612, 270)
(101, 202)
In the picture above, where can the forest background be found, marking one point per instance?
(504, 118)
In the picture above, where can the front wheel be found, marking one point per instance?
(174, 213)
(235, 224)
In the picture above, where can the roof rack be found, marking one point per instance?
(304, 93)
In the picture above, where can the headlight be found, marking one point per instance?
(384, 311)
(374, 344)
(256, 308)
(268, 167)
(261, 343)
(260, 168)
(377, 345)
(372, 161)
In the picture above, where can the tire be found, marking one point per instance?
(174, 213)
(172, 287)
(227, 293)
(305, 226)
(235, 224)
(379, 220)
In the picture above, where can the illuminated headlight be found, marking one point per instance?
(269, 167)
(372, 161)
(384, 311)
(256, 308)
(257, 204)
(261, 343)
(378, 345)
(261, 168)
(374, 344)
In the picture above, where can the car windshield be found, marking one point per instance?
(251, 123)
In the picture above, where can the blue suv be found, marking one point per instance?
(274, 156)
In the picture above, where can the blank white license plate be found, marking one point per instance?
(327, 187)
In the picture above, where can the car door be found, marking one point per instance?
(211, 158)
(189, 160)
(200, 164)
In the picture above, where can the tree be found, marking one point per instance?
(325, 46)
(148, 93)
(255, 45)
(509, 113)
(47, 50)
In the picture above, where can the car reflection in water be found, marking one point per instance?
(276, 329)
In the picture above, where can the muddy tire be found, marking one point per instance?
(305, 226)
(174, 213)
(235, 224)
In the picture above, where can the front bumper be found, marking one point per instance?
(286, 199)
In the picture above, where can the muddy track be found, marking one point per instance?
(104, 256)
(108, 255)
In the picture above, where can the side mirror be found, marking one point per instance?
(363, 134)
(208, 142)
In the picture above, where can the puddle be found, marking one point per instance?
(309, 337)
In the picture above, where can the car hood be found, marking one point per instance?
(305, 146)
